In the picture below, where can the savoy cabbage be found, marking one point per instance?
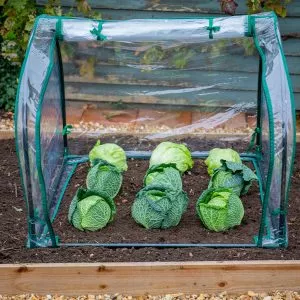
(220, 209)
(156, 207)
(110, 153)
(234, 176)
(91, 211)
(213, 161)
(168, 152)
(166, 175)
(104, 178)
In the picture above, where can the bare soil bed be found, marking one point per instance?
(13, 229)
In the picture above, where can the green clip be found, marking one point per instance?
(67, 129)
(212, 28)
(253, 138)
(59, 34)
(97, 32)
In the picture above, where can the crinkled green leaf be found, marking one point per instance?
(110, 153)
(226, 179)
(215, 156)
(166, 175)
(174, 214)
(104, 178)
(76, 220)
(157, 207)
(95, 213)
(234, 176)
(90, 210)
(220, 209)
(168, 152)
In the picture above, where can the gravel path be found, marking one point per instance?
(288, 295)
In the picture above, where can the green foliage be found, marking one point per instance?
(16, 22)
(153, 55)
(181, 57)
(104, 178)
(166, 175)
(168, 152)
(220, 209)
(91, 211)
(215, 156)
(17, 19)
(156, 207)
(92, 208)
(278, 6)
(8, 84)
(111, 153)
(177, 57)
(161, 203)
(234, 176)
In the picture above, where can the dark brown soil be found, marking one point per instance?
(13, 228)
(124, 229)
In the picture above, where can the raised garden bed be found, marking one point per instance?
(13, 220)
(142, 279)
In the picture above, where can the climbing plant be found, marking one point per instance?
(16, 22)
(255, 6)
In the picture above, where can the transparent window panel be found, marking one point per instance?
(139, 94)
(52, 143)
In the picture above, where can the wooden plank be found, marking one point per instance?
(216, 100)
(181, 77)
(149, 278)
(203, 6)
(171, 80)
(227, 100)
(291, 47)
(231, 58)
(287, 25)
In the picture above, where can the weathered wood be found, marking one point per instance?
(172, 80)
(287, 25)
(203, 6)
(231, 58)
(220, 100)
(200, 61)
(150, 278)
(115, 9)
(291, 47)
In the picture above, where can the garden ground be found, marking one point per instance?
(14, 229)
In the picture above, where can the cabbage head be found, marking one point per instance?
(168, 152)
(220, 209)
(104, 178)
(165, 175)
(110, 153)
(155, 207)
(215, 156)
(234, 176)
(91, 211)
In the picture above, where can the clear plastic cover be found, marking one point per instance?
(162, 91)
(140, 82)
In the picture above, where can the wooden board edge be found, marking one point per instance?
(10, 135)
(154, 278)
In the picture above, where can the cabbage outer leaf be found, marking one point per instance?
(156, 207)
(105, 178)
(234, 176)
(166, 175)
(168, 152)
(90, 210)
(111, 153)
(213, 161)
(220, 209)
